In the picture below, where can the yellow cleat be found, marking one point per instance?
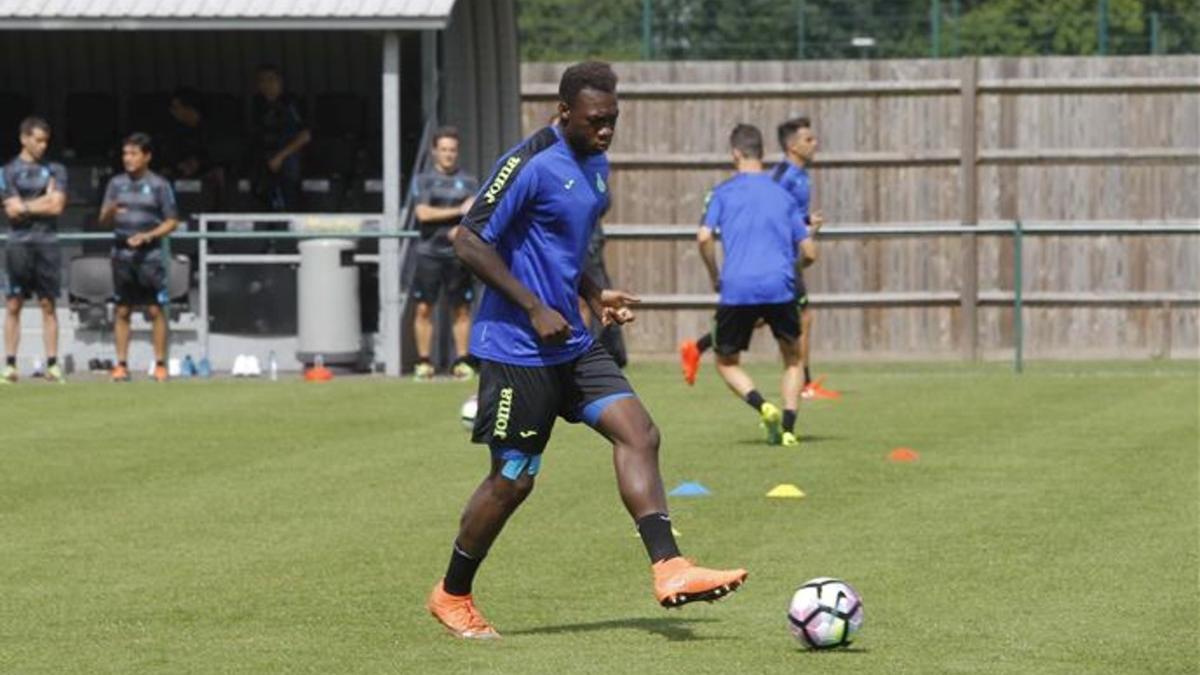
(789, 440)
(772, 423)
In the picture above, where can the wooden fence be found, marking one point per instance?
(1045, 139)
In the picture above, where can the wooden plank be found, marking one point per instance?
(742, 89)
(969, 200)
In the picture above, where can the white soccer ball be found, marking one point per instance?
(468, 411)
(825, 613)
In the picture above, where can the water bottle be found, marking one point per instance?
(319, 362)
(273, 366)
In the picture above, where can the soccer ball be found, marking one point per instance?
(467, 413)
(825, 613)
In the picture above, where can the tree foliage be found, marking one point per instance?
(812, 29)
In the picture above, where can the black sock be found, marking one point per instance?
(655, 530)
(755, 400)
(422, 359)
(160, 364)
(807, 376)
(461, 572)
(704, 343)
(789, 421)
(11, 361)
(123, 364)
(51, 361)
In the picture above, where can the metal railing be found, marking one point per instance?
(1017, 297)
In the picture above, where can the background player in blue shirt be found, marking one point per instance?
(34, 193)
(799, 145)
(526, 237)
(762, 233)
(140, 206)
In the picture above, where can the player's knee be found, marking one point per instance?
(154, 311)
(424, 311)
(124, 312)
(511, 492)
(47, 306)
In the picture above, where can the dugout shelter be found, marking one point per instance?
(372, 77)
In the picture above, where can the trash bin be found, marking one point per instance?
(329, 319)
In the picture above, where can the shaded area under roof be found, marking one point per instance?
(224, 14)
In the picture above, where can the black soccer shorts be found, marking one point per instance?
(34, 268)
(518, 405)
(735, 325)
(434, 273)
(140, 278)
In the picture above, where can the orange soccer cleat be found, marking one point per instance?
(459, 615)
(119, 373)
(678, 581)
(814, 390)
(689, 360)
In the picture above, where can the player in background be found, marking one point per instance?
(442, 195)
(763, 234)
(140, 206)
(34, 193)
(799, 146)
(526, 237)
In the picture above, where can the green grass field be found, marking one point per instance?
(1050, 526)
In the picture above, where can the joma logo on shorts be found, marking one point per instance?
(502, 177)
(502, 412)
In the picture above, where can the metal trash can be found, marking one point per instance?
(329, 321)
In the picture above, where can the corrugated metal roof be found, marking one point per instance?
(225, 14)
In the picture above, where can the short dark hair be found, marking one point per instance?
(444, 132)
(269, 68)
(190, 97)
(140, 140)
(596, 75)
(33, 122)
(747, 139)
(789, 129)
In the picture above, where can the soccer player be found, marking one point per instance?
(442, 196)
(799, 145)
(526, 237)
(34, 193)
(762, 232)
(140, 206)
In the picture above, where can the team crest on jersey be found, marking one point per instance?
(600, 184)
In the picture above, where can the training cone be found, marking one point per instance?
(786, 491)
(318, 374)
(689, 489)
(903, 455)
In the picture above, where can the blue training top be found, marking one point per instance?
(759, 225)
(794, 179)
(538, 209)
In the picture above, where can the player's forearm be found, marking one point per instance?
(294, 146)
(52, 204)
(483, 260)
(708, 254)
(164, 228)
(107, 214)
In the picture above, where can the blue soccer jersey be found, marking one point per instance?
(794, 179)
(537, 209)
(759, 225)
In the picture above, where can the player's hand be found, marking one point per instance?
(551, 327)
(611, 297)
(617, 315)
(275, 164)
(815, 221)
(14, 210)
(137, 240)
(466, 206)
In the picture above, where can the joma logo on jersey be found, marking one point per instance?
(502, 177)
(503, 410)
